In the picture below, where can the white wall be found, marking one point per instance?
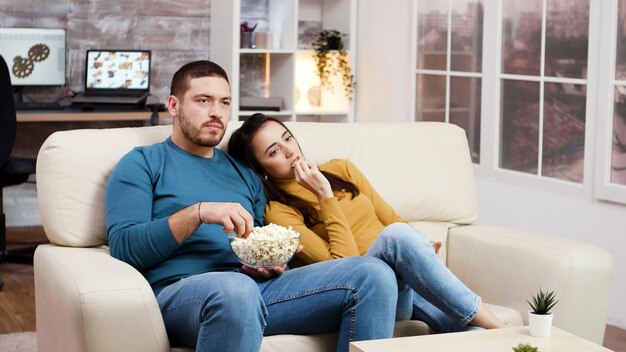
(20, 205)
(384, 77)
(383, 60)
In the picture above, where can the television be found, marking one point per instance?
(35, 56)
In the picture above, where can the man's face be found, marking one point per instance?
(204, 112)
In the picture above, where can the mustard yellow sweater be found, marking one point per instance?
(349, 226)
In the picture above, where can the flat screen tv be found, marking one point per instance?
(35, 56)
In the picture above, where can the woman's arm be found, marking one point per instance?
(384, 211)
(340, 243)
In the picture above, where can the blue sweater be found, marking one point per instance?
(153, 182)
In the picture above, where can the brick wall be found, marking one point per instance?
(177, 31)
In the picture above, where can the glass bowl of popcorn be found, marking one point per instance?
(266, 246)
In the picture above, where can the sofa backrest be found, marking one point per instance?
(422, 169)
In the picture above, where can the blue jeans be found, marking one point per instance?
(230, 311)
(428, 291)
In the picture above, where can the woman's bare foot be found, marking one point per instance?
(485, 319)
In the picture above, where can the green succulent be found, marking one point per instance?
(525, 347)
(543, 302)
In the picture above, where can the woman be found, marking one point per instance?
(339, 214)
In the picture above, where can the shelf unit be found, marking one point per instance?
(284, 66)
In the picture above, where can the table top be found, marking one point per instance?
(484, 341)
(77, 115)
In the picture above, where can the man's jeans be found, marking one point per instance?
(428, 291)
(229, 311)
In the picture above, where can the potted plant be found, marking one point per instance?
(540, 314)
(332, 59)
(525, 347)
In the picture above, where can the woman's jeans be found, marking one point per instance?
(229, 311)
(428, 291)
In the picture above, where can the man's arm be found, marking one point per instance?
(185, 222)
(134, 237)
(141, 241)
(230, 215)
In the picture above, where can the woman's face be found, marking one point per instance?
(276, 150)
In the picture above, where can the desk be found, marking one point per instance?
(86, 116)
(33, 127)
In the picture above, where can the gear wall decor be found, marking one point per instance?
(23, 67)
(39, 52)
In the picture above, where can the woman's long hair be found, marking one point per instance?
(240, 147)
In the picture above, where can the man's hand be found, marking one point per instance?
(262, 273)
(232, 216)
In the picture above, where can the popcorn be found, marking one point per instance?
(266, 246)
(298, 158)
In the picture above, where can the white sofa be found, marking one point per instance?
(88, 301)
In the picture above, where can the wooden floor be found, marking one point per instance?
(17, 298)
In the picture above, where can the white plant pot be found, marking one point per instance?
(540, 324)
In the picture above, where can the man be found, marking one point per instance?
(168, 209)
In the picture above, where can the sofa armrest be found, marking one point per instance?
(86, 300)
(506, 267)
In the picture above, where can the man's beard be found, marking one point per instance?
(192, 133)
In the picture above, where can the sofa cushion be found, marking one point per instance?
(423, 170)
(327, 342)
(73, 168)
(323, 342)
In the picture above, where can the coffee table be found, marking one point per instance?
(484, 341)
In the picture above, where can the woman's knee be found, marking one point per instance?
(402, 235)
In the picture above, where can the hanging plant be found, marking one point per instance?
(332, 59)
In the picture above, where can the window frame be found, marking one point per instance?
(603, 188)
(448, 74)
(488, 167)
(538, 181)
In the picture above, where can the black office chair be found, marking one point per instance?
(13, 170)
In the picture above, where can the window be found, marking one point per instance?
(610, 176)
(552, 77)
(449, 65)
(544, 87)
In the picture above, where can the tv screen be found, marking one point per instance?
(35, 56)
